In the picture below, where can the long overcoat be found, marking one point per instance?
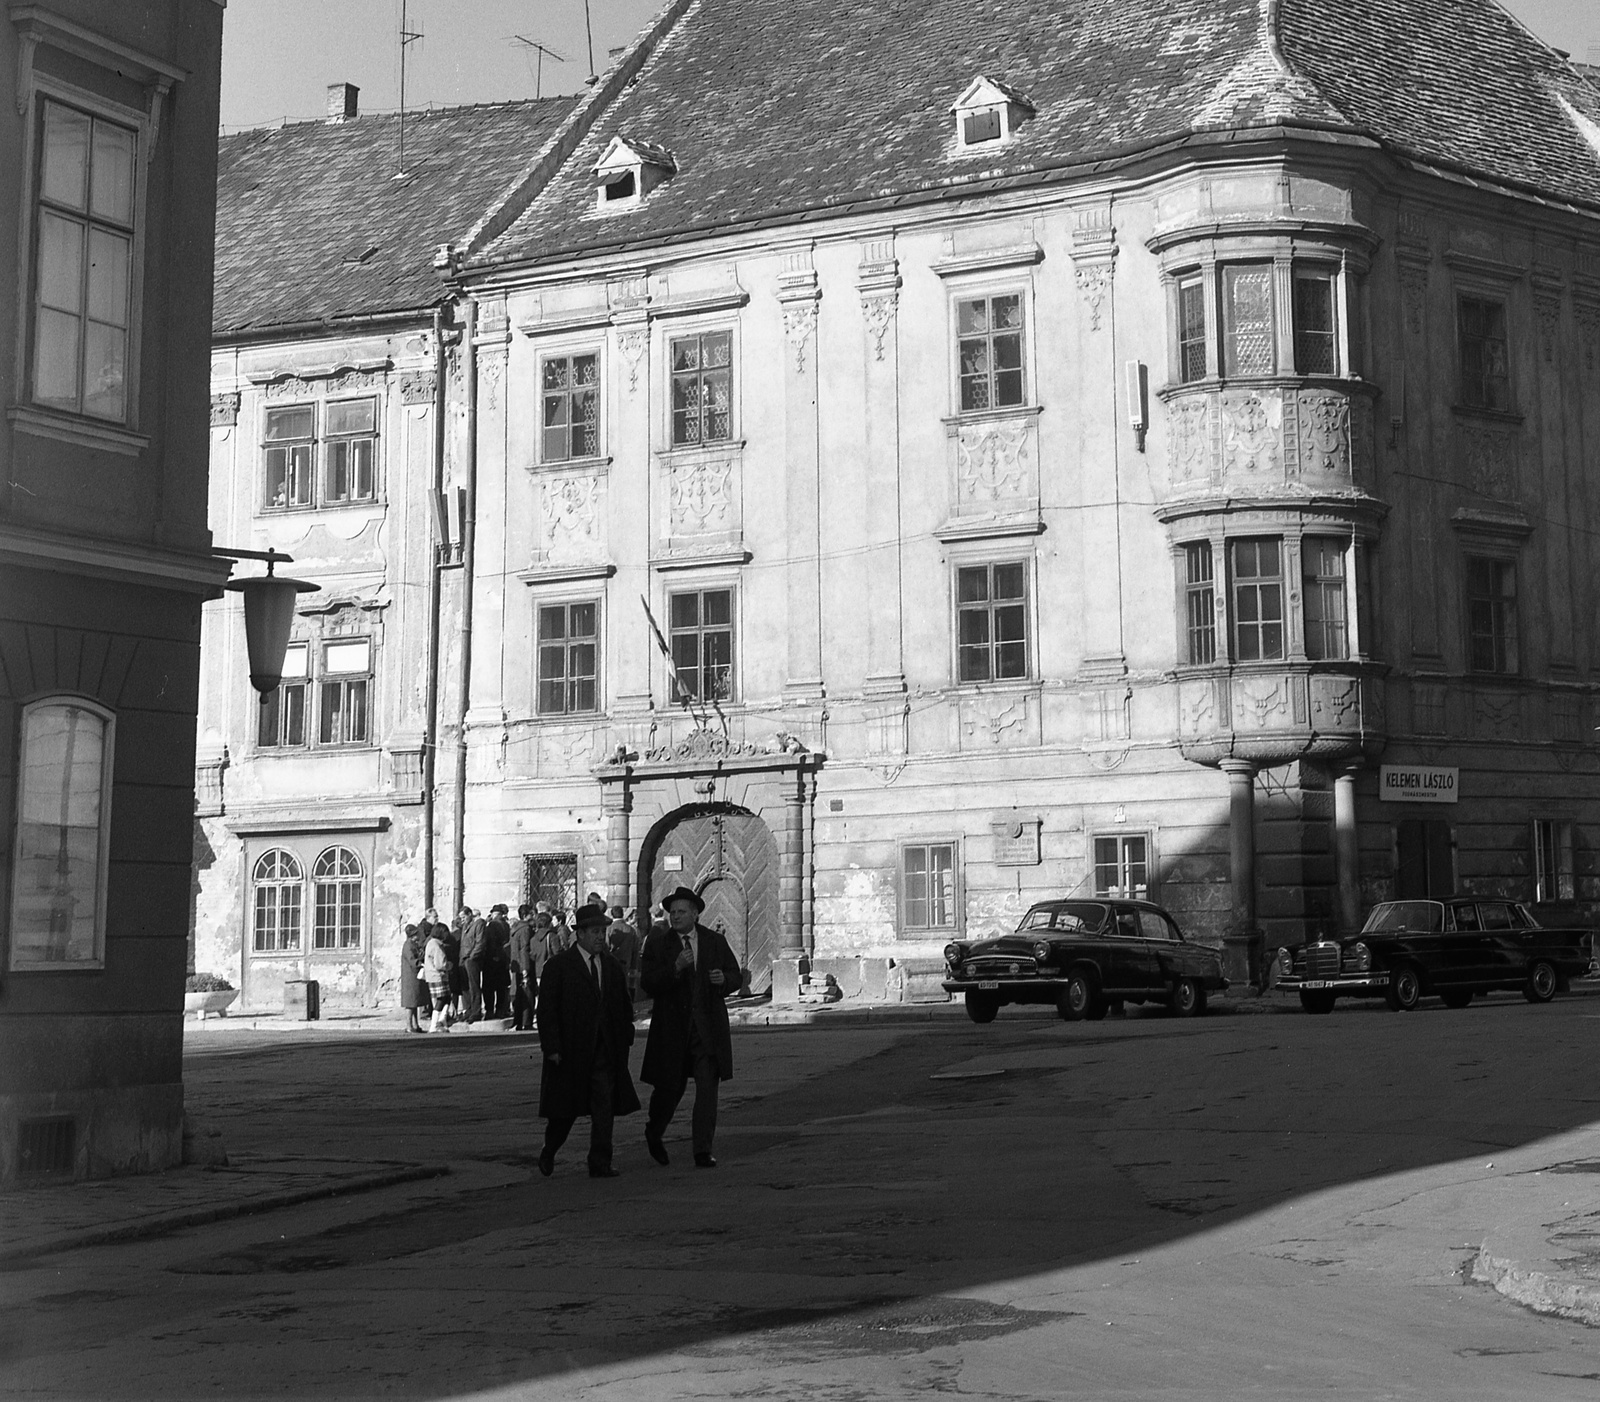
(667, 1047)
(572, 1023)
(413, 991)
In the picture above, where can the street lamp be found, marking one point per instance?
(268, 615)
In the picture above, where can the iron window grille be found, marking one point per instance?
(1248, 335)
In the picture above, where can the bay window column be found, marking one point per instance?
(1238, 943)
(1346, 852)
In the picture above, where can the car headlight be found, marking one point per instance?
(952, 954)
(969, 971)
(1285, 961)
(1360, 957)
(1041, 952)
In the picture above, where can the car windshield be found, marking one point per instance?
(1076, 918)
(1406, 915)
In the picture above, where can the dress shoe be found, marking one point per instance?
(704, 1161)
(603, 1172)
(658, 1150)
(547, 1163)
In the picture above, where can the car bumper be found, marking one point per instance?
(1344, 983)
(1045, 990)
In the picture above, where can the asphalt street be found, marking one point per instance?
(1257, 1203)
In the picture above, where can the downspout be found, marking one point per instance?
(469, 373)
(430, 726)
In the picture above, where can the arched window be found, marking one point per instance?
(59, 861)
(338, 885)
(280, 892)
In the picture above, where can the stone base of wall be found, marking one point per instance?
(125, 1129)
(865, 979)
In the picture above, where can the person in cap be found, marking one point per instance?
(585, 1029)
(688, 970)
(497, 963)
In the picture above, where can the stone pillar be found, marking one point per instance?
(799, 294)
(879, 285)
(616, 801)
(1241, 953)
(1346, 858)
(791, 958)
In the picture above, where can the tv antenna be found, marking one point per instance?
(408, 37)
(588, 29)
(539, 54)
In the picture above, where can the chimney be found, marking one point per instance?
(342, 101)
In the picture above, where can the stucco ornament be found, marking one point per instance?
(571, 516)
(1335, 703)
(1260, 700)
(879, 311)
(490, 369)
(1414, 293)
(1191, 439)
(1489, 458)
(632, 343)
(1497, 718)
(1324, 433)
(992, 461)
(799, 324)
(994, 719)
(1094, 283)
(1547, 306)
(701, 497)
(1250, 433)
(1199, 707)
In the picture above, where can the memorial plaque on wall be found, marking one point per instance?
(1016, 839)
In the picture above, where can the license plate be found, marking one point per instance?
(1316, 983)
(988, 985)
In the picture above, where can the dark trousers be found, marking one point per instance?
(601, 1117)
(496, 985)
(474, 968)
(699, 1065)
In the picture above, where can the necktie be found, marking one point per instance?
(594, 970)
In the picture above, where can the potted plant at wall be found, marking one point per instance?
(207, 993)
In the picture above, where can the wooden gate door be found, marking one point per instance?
(729, 857)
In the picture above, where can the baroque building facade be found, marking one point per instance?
(1143, 458)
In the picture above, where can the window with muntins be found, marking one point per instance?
(345, 692)
(349, 445)
(571, 389)
(289, 438)
(351, 440)
(989, 346)
(569, 647)
(928, 884)
(281, 716)
(1122, 866)
(1191, 329)
(279, 893)
(1316, 350)
(1257, 587)
(992, 622)
(1492, 615)
(1485, 358)
(1553, 869)
(337, 886)
(1200, 603)
(1322, 560)
(702, 388)
(83, 263)
(701, 625)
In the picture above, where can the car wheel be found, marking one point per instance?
(1457, 997)
(1541, 984)
(1405, 988)
(1316, 1001)
(1188, 998)
(1080, 999)
(982, 1007)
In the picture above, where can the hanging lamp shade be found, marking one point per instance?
(268, 617)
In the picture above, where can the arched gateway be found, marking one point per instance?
(728, 819)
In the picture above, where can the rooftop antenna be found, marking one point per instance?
(539, 52)
(588, 29)
(407, 38)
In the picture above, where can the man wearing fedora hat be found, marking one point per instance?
(585, 1022)
(688, 970)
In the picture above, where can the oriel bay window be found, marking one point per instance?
(992, 641)
(701, 625)
(1260, 571)
(569, 647)
(1250, 341)
(83, 263)
(989, 352)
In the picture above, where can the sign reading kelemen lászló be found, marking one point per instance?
(1417, 783)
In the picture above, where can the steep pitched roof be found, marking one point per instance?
(312, 225)
(789, 108)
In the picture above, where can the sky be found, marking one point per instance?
(279, 56)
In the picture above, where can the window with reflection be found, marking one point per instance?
(989, 350)
(279, 888)
(337, 887)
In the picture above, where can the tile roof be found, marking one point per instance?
(786, 108)
(312, 226)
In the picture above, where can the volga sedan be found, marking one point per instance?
(1455, 948)
(1083, 956)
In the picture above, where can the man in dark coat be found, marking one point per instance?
(472, 949)
(585, 1030)
(689, 970)
(497, 963)
(524, 986)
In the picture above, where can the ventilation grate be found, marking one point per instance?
(45, 1148)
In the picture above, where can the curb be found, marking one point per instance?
(1540, 1292)
(167, 1222)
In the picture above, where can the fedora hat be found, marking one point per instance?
(589, 915)
(683, 893)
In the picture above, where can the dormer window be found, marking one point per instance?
(629, 170)
(988, 113)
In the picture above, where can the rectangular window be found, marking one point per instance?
(1257, 582)
(928, 883)
(1552, 861)
(1122, 866)
(989, 332)
(345, 691)
(277, 922)
(83, 263)
(351, 433)
(992, 622)
(701, 624)
(1191, 329)
(1248, 343)
(1322, 569)
(568, 656)
(288, 457)
(1200, 605)
(1485, 360)
(1315, 343)
(702, 388)
(570, 385)
(337, 918)
(1492, 615)
(281, 717)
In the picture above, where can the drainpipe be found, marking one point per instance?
(430, 725)
(469, 374)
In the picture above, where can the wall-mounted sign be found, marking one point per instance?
(672, 862)
(1016, 839)
(1417, 783)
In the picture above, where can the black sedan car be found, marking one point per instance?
(1083, 956)
(1456, 948)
